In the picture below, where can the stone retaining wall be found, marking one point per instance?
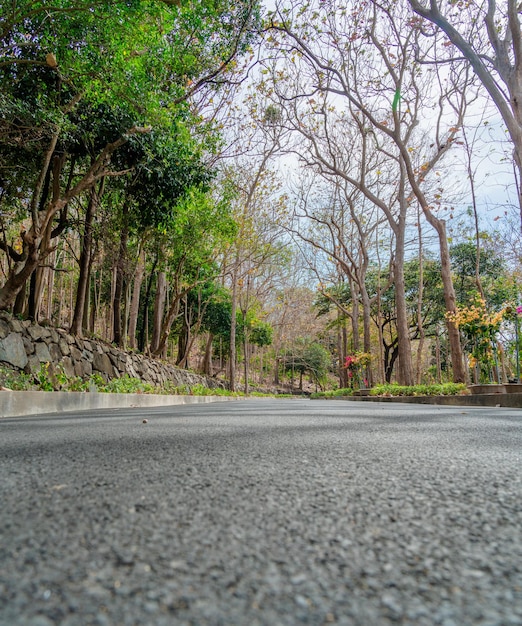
(25, 346)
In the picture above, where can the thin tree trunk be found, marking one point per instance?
(233, 320)
(356, 339)
(367, 337)
(159, 306)
(85, 262)
(276, 371)
(457, 360)
(246, 362)
(207, 359)
(144, 332)
(50, 287)
(135, 301)
(118, 335)
(405, 368)
(32, 239)
(420, 324)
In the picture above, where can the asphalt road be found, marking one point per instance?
(262, 513)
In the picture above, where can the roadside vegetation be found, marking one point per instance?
(445, 389)
(59, 381)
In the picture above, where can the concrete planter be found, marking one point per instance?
(491, 388)
(513, 388)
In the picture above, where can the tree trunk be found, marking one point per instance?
(276, 371)
(356, 339)
(405, 368)
(85, 264)
(183, 342)
(159, 306)
(450, 300)
(144, 332)
(367, 337)
(135, 301)
(32, 239)
(420, 324)
(17, 280)
(166, 326)
(50, 287)
(233, 320)
(246, 358)
(118, 335)
(207, 359)
(340, 352)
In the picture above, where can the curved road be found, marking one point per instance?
(262, 513)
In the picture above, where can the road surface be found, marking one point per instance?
(262, 513)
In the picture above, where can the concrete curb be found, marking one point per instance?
(508, 400)
(24, 403)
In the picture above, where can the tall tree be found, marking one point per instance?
(334, 49)
(148, 56)
(488, 36)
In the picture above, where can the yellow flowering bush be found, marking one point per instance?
(480, 327)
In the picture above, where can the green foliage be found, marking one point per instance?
(16, 381)
(335, 393)
(308, 357)
(445, 389)
(492, 272)
(218, 310)
(167, 170)
(127, 384)
(90, 71)
(340, 293)
(57, 380)
(44, 378)
(261, 333)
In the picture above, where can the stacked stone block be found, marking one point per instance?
(25, 346)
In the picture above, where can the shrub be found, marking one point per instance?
(348, 391)
(445, 389)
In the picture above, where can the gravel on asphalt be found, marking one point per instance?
(262, 513)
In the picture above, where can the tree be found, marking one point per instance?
(488, 36)
(308, 357)
(338, 224)
(333, 53)
(54, 58)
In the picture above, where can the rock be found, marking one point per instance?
(68, 366)
(25, 346)
(55, 337)
(28, 345)
(33, 365)
(87, 356)
(4, 328)
(42, 352)
(83, 369)
(55, 352)
(64, 347)
(12, 350)
(102, 363)
(37, 332)
(76, 353)
(16, 325)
